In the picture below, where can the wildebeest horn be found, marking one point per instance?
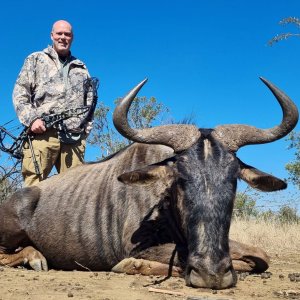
(236, 136)
(178, 137)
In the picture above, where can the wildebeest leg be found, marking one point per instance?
(246, 258)
(159, 260)
(134, 266)
(15, 215)
(27, 255)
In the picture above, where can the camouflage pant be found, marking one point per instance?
(50, 152)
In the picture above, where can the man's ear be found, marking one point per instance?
(260, 180)
(147, 175)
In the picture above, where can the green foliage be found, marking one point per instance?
(244, 206)
(284, 36)
(103, 135)
(142, 114)
(288, 214)
(294, 167)
(268, 215)
(143, 111)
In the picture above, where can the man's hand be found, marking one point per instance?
(38, 126)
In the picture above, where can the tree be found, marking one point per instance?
(288, 214)
(142, 114)
(244, 206)
(293, 167)
(268, 215)
(10, 168)
(10, 179)
(103, 135)
(284, 36)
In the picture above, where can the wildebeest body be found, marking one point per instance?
(89, 214)
(96, 230)
(177, 187)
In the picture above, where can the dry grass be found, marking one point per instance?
(272, 236)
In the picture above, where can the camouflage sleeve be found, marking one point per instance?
(90, 93)
(89, 101)
(23, 92)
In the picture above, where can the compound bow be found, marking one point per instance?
(51, 120)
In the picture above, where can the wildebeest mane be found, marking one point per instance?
(108, 157)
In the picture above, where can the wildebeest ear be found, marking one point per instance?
(146, 175)
(260, 180)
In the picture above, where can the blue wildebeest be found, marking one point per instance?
(162, 205)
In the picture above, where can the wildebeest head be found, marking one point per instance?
(202, 177)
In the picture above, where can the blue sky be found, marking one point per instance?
(202, 58)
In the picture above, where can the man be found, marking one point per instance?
(52, 81)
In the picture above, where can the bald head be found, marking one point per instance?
(60, 24)
(62, 37)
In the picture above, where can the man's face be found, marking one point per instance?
(62, 38)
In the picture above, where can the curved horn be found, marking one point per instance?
(236, 136)
(178, 137)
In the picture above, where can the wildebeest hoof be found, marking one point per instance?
(34, 258)
(242, 266)
(39, 264)
(128, 265)
(134, 266)
(28, 255)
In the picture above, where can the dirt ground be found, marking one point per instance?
(282, 281)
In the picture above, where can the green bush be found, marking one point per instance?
(244, 206)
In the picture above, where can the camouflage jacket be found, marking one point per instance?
(45, 85)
